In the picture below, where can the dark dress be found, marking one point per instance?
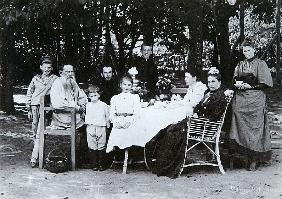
(249, 132)
(168, 146)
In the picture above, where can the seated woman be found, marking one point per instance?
(168, 146)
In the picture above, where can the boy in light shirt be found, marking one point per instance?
(97, 120)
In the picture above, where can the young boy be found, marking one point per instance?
(97, 120)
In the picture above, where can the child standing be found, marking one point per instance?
(124, 111)
(39, 86)
(97, 120)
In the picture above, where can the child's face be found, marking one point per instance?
(94, 97)
(46, 68)
(126, 86)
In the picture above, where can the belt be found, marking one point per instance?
(124, 114)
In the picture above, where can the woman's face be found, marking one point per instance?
(189, 80)
(126, 86)
(249, 52)
(213, 83)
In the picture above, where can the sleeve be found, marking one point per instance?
(264, 75)
(137, 105)
(57, 96)
(198, 95)
(30, 91)
(82, 98)
(136, 108)
(107, 115)
(236, 71)
(112, 111)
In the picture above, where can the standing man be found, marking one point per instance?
(148, 72)
(108, 84)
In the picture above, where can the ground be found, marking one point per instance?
(18, 180)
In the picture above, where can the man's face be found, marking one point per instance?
(107, 73)
(68, 72)
(46, 68)
(146, 51)
(249, 52)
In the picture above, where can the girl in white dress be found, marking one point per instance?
(124, 112)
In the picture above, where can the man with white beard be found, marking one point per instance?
(65, 94)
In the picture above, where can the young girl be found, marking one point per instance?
(97, 120)
(124, 111)
(39, 86)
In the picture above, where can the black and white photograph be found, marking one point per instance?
(135, 99)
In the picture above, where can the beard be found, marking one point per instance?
(69, 83)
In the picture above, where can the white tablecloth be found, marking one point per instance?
(152, 120)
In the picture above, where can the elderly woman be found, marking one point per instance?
(168, 146)
(249, 127)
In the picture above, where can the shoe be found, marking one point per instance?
(253, 166)
(95, 168)
(33, 164)
(101, 168)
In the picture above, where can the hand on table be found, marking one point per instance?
(243, 86)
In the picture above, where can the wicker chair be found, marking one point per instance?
(202, 131)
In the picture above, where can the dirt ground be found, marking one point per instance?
(18, 180)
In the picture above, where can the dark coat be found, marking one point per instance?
(147, 72)
(109, 89)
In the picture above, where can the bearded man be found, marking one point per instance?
(66, 94)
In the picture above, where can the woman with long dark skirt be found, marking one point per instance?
(168, 146)
(249, 132)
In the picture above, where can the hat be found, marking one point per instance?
(45, 60)
(248, 42)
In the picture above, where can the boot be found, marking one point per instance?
(252, 164)
(102, 156)
(94, 159)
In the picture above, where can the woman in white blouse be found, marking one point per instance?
(195, 91)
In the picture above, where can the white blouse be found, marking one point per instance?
(124, 103)
(195, 94)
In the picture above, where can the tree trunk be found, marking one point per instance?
(7, 56)
(148, 23)
(224, 47)
(196, 36)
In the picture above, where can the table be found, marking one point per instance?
(152, 119)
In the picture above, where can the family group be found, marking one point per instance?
(108, 108)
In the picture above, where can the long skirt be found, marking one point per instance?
(249, 132)
(168, 148)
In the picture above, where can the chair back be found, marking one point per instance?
(204, 130)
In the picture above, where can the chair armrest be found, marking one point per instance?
(65, 110)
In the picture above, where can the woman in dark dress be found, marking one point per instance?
(168, 146)
(249, 134)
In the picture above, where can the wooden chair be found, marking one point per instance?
(206, 133)
(43, 131)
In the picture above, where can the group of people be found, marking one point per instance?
(111, 107)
